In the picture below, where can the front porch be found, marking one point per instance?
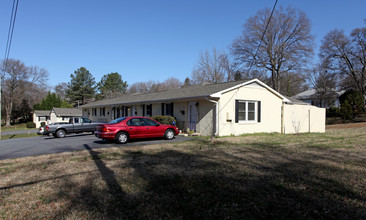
(193, 115)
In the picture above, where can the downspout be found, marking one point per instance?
(282, 118)
(217, 115)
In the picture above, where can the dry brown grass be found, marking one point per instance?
(253, 176)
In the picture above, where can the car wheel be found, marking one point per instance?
(60, 133)
(122, 138)
(169, 134)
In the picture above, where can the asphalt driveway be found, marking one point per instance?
(23, 147)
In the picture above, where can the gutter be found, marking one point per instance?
(217, 115)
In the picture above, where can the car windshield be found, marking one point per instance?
(118, 120)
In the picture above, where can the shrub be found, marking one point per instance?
(352, 104)
(168, 120)
(43, 123)
(333, 112)
(31, 125)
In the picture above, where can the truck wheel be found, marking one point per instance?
(60, 133)
(169, 134)
(122, 138)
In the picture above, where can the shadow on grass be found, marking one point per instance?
(211, 185)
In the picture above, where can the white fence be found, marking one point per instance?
(303, 118)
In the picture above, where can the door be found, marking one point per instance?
(192, 115)
(151, 128)
(78, 125)
(86, 125)
(135, 130)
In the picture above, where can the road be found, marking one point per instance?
(22, 147)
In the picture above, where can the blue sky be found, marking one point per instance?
(145, 40)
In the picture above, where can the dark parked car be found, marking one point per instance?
(75, 125)
(123, 129)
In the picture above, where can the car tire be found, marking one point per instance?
(122, 138)
(60, 133)
(169, 134)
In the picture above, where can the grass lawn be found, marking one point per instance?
(14, 136)
(16, 127)
(260, 176)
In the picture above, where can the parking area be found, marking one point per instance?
(24, 147)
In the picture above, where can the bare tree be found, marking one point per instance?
(214, 67)
(18, 80)
(293, 83)
(141, 87)
(60, 89)
(325, 83)
(253, 74)
(346, 56)
(171, 83)
(286, 46)
(154, 86)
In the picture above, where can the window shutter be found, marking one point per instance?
(236, 111)
(259, 111)
(172, 109)
(162, 108)
(143, 110)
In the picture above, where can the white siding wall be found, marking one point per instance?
(54, 118)
(206, 118)
(270, 111)
(36, 121)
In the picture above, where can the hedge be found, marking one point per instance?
(31, 125)
(168, 120)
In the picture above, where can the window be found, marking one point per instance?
(148, 122)
(102, 111)
(94, 112)
(118, 112)
(85, 120)
(133, 122)
(247, 111)
(149, 110)
(118, 120)
(167, 109)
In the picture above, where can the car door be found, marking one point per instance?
(87, 125)
(77, 125)
(152, 128)
(134, 129)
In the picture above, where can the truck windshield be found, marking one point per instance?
(118, 120)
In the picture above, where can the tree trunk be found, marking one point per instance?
(274, 84)
(8, 109)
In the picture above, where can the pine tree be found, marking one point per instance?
(81, 88)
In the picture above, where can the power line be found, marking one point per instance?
(264, 32)
(10, 32)
(7, 48)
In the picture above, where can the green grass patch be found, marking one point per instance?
(16, 127)
(14, 136)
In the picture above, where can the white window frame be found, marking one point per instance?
(247, 111)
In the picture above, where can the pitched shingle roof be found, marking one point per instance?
(67, 112)
(296, 101)
(194, 91)
(42, 113)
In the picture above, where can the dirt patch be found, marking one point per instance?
(346, 126)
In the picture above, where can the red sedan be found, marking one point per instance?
(123, 129)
